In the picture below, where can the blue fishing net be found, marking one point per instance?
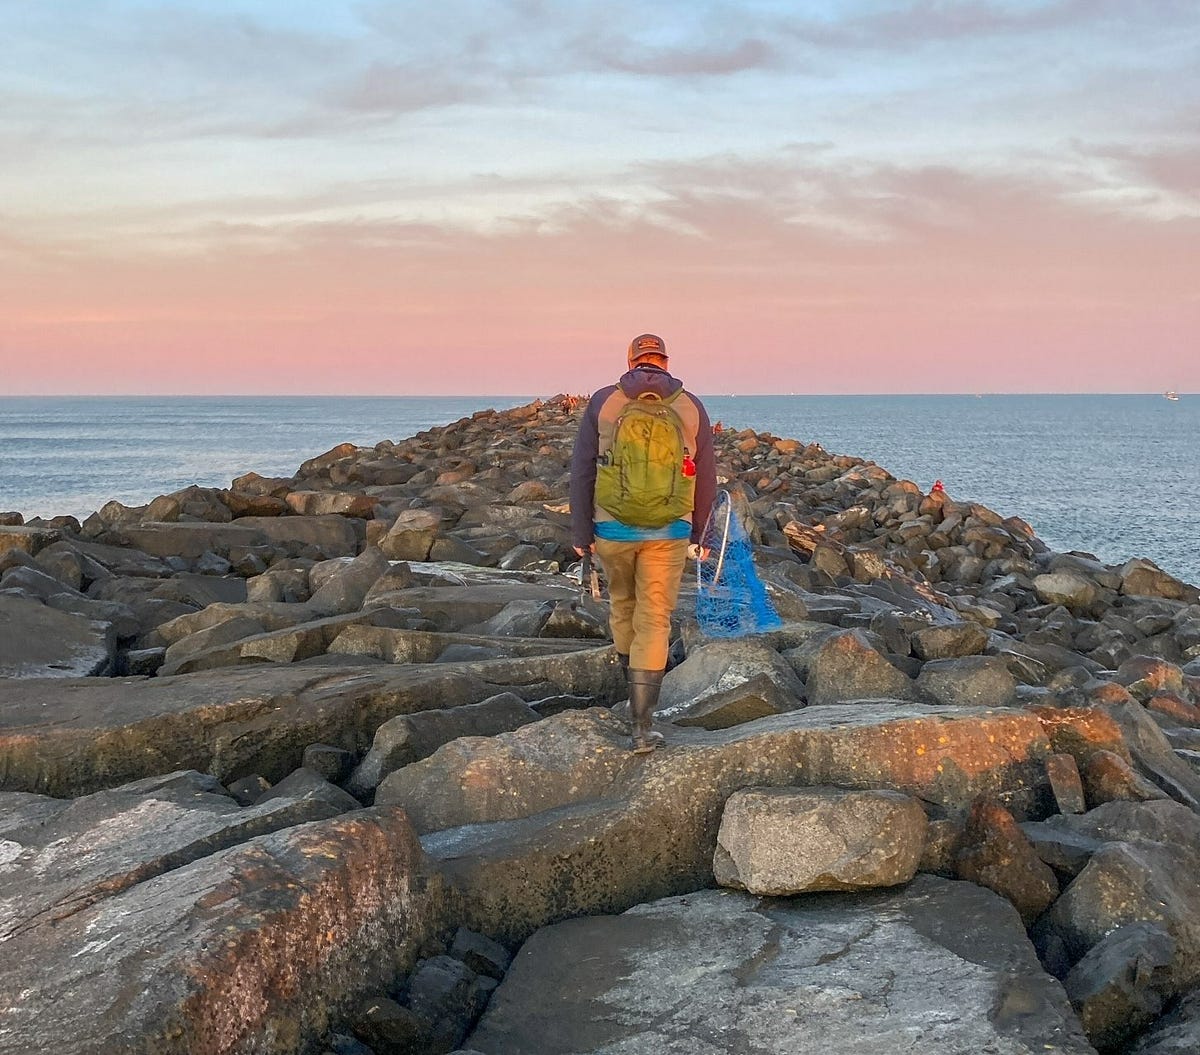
(731, 600)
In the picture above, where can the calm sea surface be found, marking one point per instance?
(1117, 476)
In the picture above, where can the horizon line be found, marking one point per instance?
(532, 398)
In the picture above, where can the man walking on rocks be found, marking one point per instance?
(643, 479)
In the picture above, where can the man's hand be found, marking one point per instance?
(698, 552)
(581, 550)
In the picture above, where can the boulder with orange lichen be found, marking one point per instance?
(250, 950)
(995, 853)
(947, 756)
(1081, 731)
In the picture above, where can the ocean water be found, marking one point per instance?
(70, 455)
(1117, 476)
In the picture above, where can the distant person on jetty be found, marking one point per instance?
(643, 479)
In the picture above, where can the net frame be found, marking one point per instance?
(731, 600)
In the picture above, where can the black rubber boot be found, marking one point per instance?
(644, 687)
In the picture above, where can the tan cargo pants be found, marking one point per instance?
(643, 586)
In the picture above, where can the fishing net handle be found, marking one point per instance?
(726, 498)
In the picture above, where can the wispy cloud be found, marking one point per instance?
(908, 22)
(397, 89)
(1173, 169)
(1020, 167)
(700, 60)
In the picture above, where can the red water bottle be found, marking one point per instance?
(689, 466)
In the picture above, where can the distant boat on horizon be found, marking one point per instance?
(1172, 396)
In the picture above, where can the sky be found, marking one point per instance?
(494, 196)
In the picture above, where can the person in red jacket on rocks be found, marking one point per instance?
(643, 479)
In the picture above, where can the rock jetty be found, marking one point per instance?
(336, 763)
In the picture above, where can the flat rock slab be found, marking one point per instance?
(248, 950)
(940, 967)
(190, 540)
(329, 535)
(20, 809)
(101, 844)
(454, 608)
(68, 738)
(124, 560)
(41, 642)
(423, 646)
(304, 640)
(942, 755)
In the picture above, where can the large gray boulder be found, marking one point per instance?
(1145, 871)
(796, 840)
(756, 698)
(1144, 578)
(273, 615)
(345, 590)
(122, 561)
(30, 540)
(1176, 1033)
(723, 670)
(1153, 754)
(949, 641)
(324, 537)
(226, 632)
(1144, 676)
(1119, 986)
(331, 503)
(35, 584)
(125, 622)
(191, 539)
(972, 681)
(453, 608)
(307, 785)
(939, 967)
(41, 642)
(398, 645)
(994, 852)
(536, 767)
(524, 618)
(846, 667)
(289, 645)
(412, 535)
(1067, 588)
(409, 737)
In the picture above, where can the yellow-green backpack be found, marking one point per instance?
(641, 479)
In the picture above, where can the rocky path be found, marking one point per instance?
(337, 763)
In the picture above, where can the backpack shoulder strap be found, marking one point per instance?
(654, 397)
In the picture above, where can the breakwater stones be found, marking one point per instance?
(337, 763)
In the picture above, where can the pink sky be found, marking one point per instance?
(910, 197)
